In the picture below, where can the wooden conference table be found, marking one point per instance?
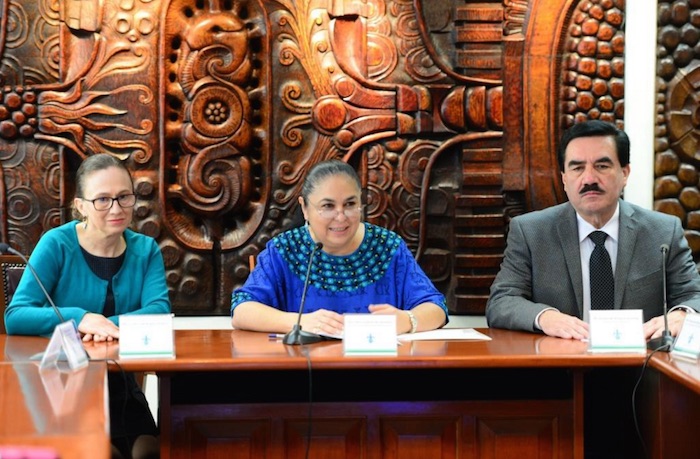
(239, 394)
(52, 414)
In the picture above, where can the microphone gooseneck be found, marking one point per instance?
(296, 335)
(59, 346)
(665, 341)
(5, 249)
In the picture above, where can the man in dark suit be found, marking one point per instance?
(543, 284)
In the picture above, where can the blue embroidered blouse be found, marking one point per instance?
(381, 270)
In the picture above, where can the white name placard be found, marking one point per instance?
(369, 334)
(146, 336)
(687, 344)
(617, 330)
(65, 344)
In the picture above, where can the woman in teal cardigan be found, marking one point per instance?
(96, 269)
(138, 287)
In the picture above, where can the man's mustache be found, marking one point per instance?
(590, 187)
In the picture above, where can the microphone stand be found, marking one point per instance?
(665, 341)
(296, 335)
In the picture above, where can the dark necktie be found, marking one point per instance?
(602, 280)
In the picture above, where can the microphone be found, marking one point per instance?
(5, 249)
(665, 341)
(296, 335)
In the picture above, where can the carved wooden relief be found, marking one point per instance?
(449, 110)
(677, 122)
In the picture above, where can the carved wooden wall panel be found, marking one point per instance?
(449, 109)
(677, 147)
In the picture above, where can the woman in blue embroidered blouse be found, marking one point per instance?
(361, 268)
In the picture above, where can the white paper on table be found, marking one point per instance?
(468, 334)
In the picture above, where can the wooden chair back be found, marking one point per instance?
(11, 269)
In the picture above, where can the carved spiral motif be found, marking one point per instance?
(51, 219)
(17, 26)
(51, 56)
(48, 157)
(21, 208)
(21, 240)
(419, 63)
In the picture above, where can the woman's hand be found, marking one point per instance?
(323, 321)
(428, 316)
(96, 327)
(403, 323)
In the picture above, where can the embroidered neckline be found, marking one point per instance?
(339, 273)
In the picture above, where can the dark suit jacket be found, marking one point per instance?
(542, 266)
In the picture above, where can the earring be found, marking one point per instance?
(85, 222)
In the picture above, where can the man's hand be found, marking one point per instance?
(653, 328)
(560, 325)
